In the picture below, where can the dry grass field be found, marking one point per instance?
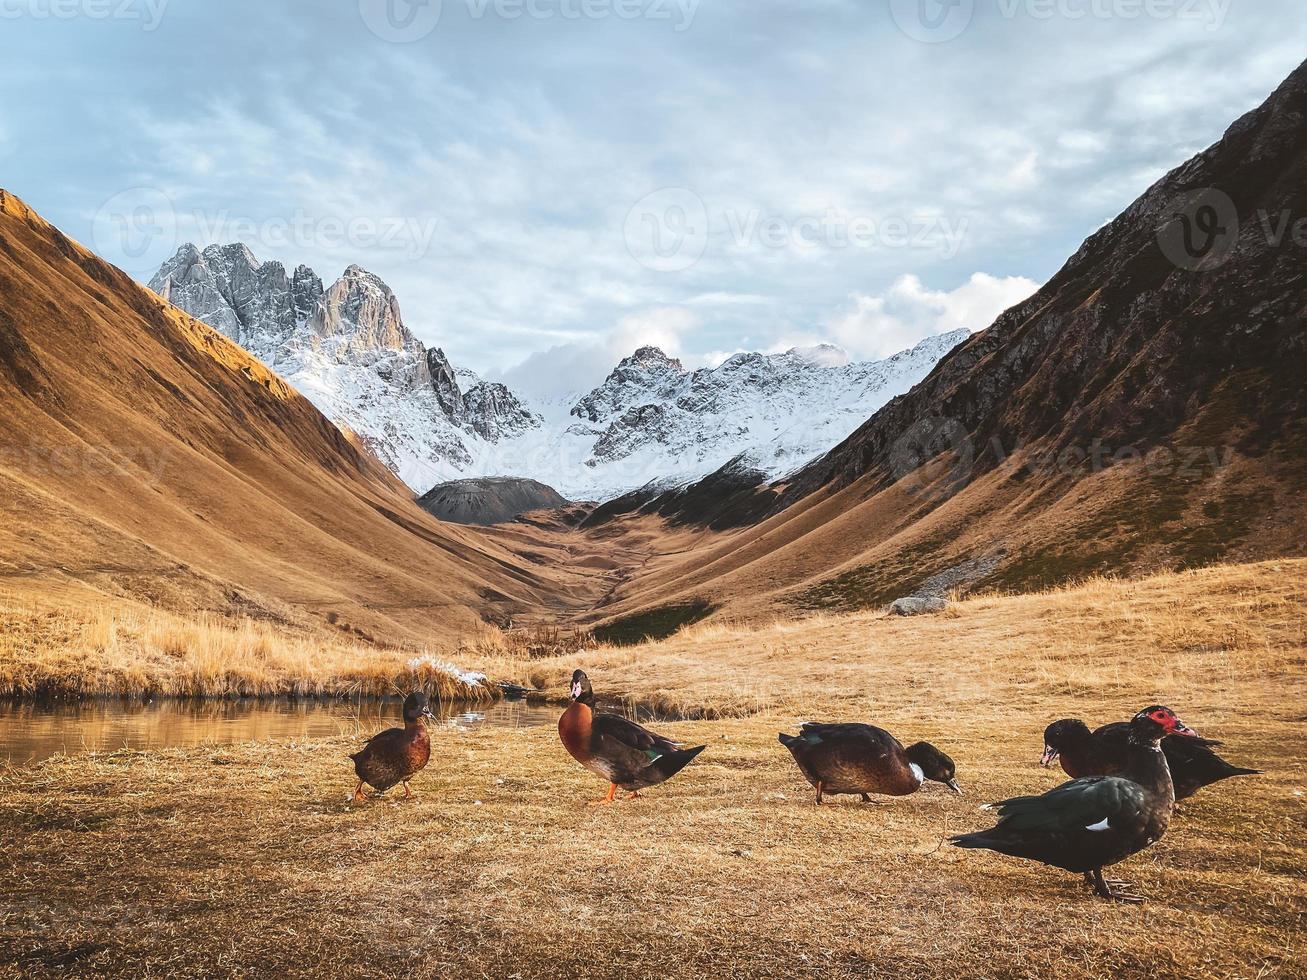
(52, 648)
(251, 861)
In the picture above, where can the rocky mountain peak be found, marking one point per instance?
(651, 359)
(363, 313)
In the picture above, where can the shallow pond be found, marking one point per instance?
(32, 732)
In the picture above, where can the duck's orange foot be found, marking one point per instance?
(408, 792)
(612, 795)
(358, 793)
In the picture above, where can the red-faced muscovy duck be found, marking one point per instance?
(863, 759)
(397, 754)
(622, 752)
(1089, 824)
(1102, 752)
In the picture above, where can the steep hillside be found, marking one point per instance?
(1144, 410)
(146, 457)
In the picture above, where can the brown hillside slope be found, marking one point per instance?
(145, 457)
(1143, 410)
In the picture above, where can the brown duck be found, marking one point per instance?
(622, 752)
(863, 759)
(397, 754)
(1088, 824)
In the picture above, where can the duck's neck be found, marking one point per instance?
(1146, 765)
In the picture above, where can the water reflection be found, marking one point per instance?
(32, 732)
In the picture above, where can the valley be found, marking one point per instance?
(498, 867)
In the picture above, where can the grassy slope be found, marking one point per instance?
(499, 868)
(145, 457)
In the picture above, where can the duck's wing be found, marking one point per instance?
(818, 732)
(631, 735)
(1095, 803)
(380, 740)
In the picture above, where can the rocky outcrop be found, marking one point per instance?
(916, 605)
(495, 412)
(489, 500)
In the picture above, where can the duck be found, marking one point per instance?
(1102, 752)
(626, 754)
(397, 754)
(854, 758)
(1092, 823)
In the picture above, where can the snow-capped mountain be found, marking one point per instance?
(347, 349)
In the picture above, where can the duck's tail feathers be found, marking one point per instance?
(670, 764)
(787, 740)
(1241, 771)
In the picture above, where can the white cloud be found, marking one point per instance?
(878, 326)
(568, 369)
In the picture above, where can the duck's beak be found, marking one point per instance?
(1049, 756)
(953, 785)
(1180, 728)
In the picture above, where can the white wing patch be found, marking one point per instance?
(917, 773)
(1101, 825)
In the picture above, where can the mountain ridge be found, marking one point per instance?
(348, 350)
(1142, 411)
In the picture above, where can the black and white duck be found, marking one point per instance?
(1089, 824)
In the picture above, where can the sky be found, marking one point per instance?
(548, 184)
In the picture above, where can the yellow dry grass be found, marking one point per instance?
(250, 861)
(48, 649)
